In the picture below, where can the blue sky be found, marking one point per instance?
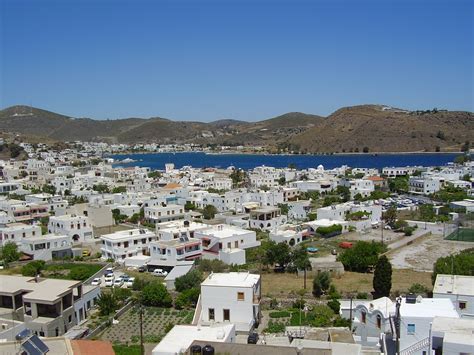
(249, 60)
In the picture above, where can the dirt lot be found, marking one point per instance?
(422, 254)
(280, 285)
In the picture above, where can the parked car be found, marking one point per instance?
(108, 271)
(109, 277)
(252, 338)
(142, 268)
(96, 282)
(109, 282)
(129, 282)
(118, 282)
(159, 272)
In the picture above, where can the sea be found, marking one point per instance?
(250, 161)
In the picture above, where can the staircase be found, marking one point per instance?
(417, 347)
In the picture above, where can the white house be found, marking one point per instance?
(77, 227)
(226, 243)
(126, 243)
(231, 298)
(375, 321)
(266, 218)
(47, 247)
(163, 213)
(180, 337)
(452, 336)
(424, 185)
(16, 232)
(289, 234)
(459, 289)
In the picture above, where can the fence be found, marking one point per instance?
(108, 322)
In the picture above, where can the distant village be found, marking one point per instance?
(186, 260)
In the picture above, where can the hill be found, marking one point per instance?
(350, 129)
(383, 129)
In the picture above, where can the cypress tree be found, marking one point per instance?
(382, 281)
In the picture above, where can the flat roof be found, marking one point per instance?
(429, 307)
(181, 337)
(128, 233)
(454, 284)
(222, 231)
(46, 290)
(234, 279)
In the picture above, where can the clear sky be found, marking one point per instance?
(207, 60)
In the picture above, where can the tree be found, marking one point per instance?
(209, 212)
(365, 149)
(398, 184)
(300, 259)
(189, 206)
(238, 177)
(382, 281)
(155, 294)
(191, 280)
(107, 303)
(119, 189)
(284, 208)
(154, 174)
(282, 181)
(321, 283)
(135, 218)
(15, 150)
(345, 193)
(278, 254)
(49, 189)
(9, 252)
(390, 215)
(335, 305)
(361, 257)
(461, 159)
(459, 264)
(187, 298)
(33, 268)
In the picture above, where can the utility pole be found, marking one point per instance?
(350, 314)
(142, 350)
(382, 232)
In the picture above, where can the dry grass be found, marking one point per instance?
(280, 285)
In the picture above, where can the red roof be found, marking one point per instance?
(92, 347)
(375, 178)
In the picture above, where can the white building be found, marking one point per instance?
(362, 187)
(47, 247)
(452, 336)
(289, 234)
(163, 213)
(16, 232)
(359, 215)
(77, 227)
(425, 185)
(179, 339)
(374, 321)
(231, 298)
(127, 243)
(266, 218)
(459, 289)
(226, 243)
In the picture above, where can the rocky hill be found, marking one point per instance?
(368, 127)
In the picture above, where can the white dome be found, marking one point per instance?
(320, 167)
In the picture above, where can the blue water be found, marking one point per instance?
(248, 161)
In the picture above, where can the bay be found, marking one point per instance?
(249, 161)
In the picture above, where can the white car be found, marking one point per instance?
(109, 282)
(96, 282)
(160, 272)
(118, 282)
(129, 282)
(109, 277)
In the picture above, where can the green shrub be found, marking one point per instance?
(280, 314)
(329, 231)
(191, 280)
(33, 268)
(334, 305)
(275, 327)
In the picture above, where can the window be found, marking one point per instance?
(462, 304)
(364, 317)
(226, 315)
(211, 314)
(236, 244)
(240, 296)
(229, 245)
(410, 329)
(379, 321)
